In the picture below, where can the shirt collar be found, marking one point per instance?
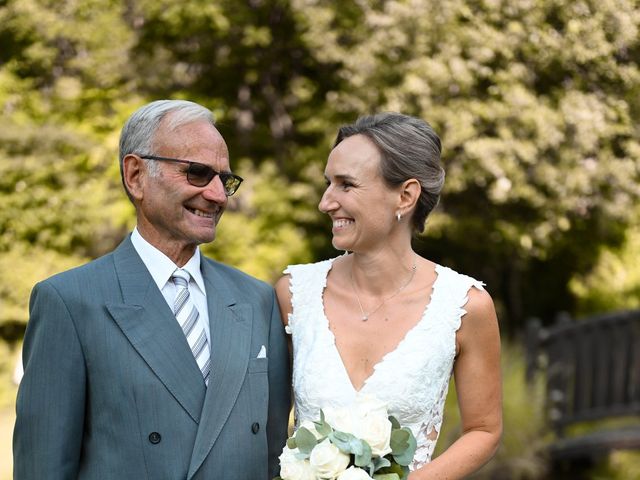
(162, 267)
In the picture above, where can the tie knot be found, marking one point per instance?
(180, 278)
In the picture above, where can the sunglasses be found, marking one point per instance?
(199, 174)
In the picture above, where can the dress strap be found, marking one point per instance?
(451, 294)
(306, 285)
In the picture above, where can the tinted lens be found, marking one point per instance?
(199, 175)
(230, 182)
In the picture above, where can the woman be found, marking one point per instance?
(384, 321)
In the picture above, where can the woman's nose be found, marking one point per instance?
(327, 202)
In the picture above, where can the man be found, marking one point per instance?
(154, 362)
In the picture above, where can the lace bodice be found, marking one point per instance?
(412, 380)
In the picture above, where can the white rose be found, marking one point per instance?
(340, 419)
(368, 404)
(354, 473)
(376, 431)
(292, 468)
(373, 425)
(327, 460)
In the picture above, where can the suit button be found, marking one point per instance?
(154, 437)
(255, 427)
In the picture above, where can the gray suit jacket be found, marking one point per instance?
(112, 391)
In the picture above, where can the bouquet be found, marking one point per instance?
(358, 442)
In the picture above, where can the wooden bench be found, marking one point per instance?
(592, 369)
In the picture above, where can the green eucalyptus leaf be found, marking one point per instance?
(343, 441)
(363, 456)
(291, 443)
(395, 424)
(386, 476)
(399, 441)
(357, 446)
(404, 454)
(380, 462)
(394, 468)
(305, 440)
(322, 427)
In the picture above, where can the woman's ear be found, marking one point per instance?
(409, 194)
(133, 173)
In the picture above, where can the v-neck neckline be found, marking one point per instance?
(384, 357)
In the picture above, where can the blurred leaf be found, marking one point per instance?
(305, 440)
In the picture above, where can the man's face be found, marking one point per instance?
(173, 215)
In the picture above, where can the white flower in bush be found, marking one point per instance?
(292, 468)
(354, 473)
(327, 460)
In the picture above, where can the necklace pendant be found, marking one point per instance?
(365, 318)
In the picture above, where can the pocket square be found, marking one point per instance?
(262, 353)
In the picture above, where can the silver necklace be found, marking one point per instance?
(366, 315)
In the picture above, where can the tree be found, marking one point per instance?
(59, 82)
(537, 105)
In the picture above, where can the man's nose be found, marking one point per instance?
(214, 191)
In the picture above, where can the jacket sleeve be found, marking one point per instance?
(50, 406)
(279, 389)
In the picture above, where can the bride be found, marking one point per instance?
(382, 320)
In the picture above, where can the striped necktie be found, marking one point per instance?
(189, 319)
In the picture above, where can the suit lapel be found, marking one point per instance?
(231, 339)
(149, 325)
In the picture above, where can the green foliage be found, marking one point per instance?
(387, 476)
(620, 465)
(403, 446)
(394, 471)
(535, 102)
(262, 230)
(614, 284)
(351, 445)
(322, 426)
(305, 440)
(20, 268)
(60, 80)
(61, 205)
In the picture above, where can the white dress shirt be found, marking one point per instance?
(162, 267)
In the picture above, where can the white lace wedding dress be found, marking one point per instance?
(412, 379)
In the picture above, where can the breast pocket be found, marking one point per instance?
(258, 365)
(258, 380)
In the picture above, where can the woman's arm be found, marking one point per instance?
(478, 384)
(284, 301)
(284, 298)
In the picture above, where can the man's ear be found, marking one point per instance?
(409, 195)
(134, 173)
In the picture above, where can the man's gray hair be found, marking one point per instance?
(138, 134)
(409, 148)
